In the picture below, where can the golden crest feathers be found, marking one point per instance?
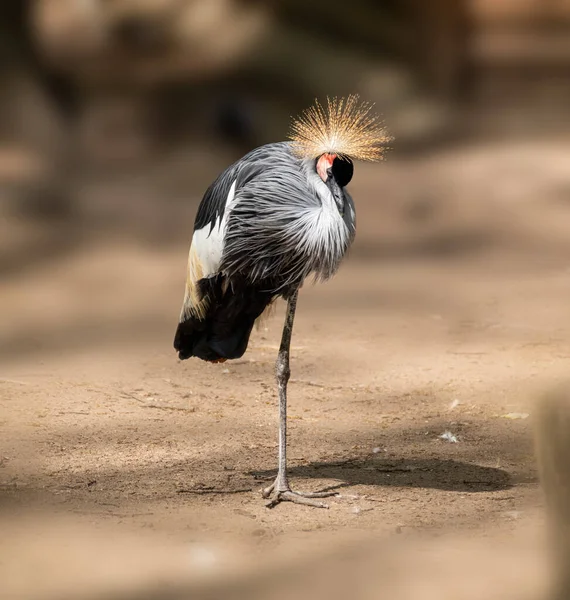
(346, 127)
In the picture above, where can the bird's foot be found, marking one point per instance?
(279, 492)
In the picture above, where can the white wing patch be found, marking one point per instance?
(208, 242)
(205, 258)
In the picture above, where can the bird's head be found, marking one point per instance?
(333, 166)
(334, 136)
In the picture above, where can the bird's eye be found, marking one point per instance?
(342, 170)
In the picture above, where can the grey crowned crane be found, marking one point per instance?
(273, 218)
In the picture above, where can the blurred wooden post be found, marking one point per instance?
(441, 51)
(553, 453)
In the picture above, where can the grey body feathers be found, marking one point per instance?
(284, 224)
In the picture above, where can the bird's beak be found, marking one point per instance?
(324, 163)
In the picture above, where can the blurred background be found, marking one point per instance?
(449, 317)
(116, 114)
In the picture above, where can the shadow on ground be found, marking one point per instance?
(446, 475)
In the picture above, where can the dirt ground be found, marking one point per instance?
(450, 315)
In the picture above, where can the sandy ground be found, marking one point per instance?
(449, 316)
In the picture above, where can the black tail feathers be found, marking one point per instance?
(224, 332)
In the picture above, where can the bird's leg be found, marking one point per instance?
(279, 490)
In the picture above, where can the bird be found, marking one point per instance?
(274, 218)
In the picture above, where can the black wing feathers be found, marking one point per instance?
(214, 201)
(224, 334)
